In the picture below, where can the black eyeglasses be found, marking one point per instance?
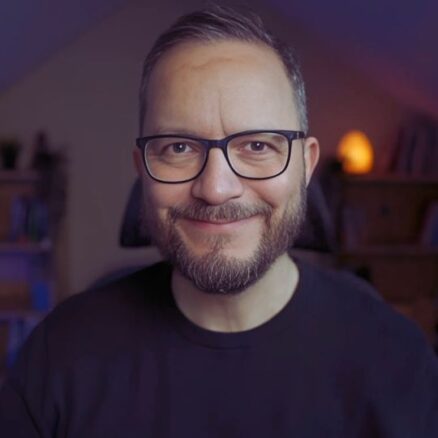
(259, 154)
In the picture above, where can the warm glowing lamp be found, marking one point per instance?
(356, 153)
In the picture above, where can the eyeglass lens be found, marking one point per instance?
(258, 155)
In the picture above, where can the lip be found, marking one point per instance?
(218, 226)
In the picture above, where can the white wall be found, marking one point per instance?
(86, 98)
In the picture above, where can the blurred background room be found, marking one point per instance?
(69, 79)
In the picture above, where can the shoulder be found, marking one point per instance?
(138, 291)
(335, 280)
(353, 312)
(144, 287)
(372, 347)
(107, 318)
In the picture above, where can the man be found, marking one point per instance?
(233, 338)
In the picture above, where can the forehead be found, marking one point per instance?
(234, 84)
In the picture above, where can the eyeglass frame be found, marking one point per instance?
(222, 144)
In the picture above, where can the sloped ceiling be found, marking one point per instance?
(33, 30)
(394, 42)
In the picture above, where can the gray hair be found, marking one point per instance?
(218, 23)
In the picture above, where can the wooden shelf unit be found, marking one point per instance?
(379, 233)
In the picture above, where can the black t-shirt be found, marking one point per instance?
(122, 361)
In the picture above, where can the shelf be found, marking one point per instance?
(25, 248)
(390, 250)
(391, 179)
(383, 237)
(14, 315)
(18, 176)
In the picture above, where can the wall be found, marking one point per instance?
(86, 98)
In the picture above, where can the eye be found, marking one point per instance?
(257, 146)
(179, 148)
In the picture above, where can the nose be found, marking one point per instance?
(217, 184)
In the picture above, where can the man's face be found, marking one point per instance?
(222, 231)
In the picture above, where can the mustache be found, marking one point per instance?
(199, 210)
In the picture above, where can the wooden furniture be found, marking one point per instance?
(381, 235)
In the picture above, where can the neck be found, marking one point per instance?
(243, 311)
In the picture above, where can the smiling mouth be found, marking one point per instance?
(218, 224)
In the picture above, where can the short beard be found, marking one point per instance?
(214, 272)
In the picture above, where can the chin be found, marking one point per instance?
(229, 247)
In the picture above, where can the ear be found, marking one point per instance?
(138, 161)
(311, 156)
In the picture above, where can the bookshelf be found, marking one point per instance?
(25, 248)
(381, 234)
(27, 279)
(22, 176)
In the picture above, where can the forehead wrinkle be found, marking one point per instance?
(207, 121)
(206, 94)
(221, 117)
(185, 66)
(212, 62)
(211, 116)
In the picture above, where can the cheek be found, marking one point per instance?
(281, 191)
(162, 196)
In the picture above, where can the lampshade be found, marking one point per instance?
(356, 153)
